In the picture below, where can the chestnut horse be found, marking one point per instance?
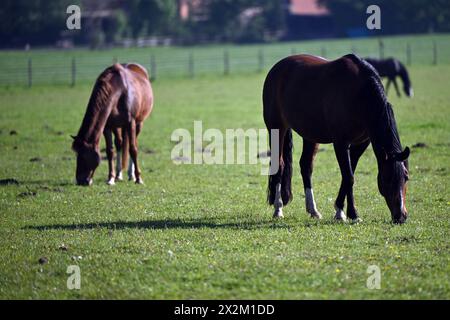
(121, 100)
(340, 102)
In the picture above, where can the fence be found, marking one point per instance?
(82, 66)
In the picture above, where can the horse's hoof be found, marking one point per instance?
(316, 215)
(278, 214)
(111, 182)
(139, 181)
(340, 215)
(119, 177)
(356, 220)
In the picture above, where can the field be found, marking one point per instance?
(205, 231)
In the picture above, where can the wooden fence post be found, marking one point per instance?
(381, 48)
(260, 60)
(74, 72)
(408, 54)
(152, 68)
(30, 73)
(435, 55)
(226, 62)
(191, 73)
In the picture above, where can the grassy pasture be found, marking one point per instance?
(203, 231)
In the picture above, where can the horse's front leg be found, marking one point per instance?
(396, 87)
(342, 151)
(133, 133)
(110, 155)
(355, 153)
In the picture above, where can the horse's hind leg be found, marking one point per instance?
(118, 143)
(388, 85)
(110, 155)
(276, 179)
(131, 174)
(135, 129)
(306, 169)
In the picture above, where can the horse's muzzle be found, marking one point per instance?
(401, 219)
(84, 182)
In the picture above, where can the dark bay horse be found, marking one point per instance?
(122, 98)
(392, 68)
(340, 102)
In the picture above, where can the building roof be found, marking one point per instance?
(307, 8)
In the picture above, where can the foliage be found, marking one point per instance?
(32, 21)
(151, 17)
(397, 16)
(43, 22)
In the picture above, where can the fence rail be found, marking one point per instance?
(54, 67)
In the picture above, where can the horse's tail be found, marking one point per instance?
(286, 193)
(285, 174)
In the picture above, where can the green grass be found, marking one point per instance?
(202, 231)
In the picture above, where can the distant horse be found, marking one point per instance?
(340, 102)
(391, 68)
(121, 100)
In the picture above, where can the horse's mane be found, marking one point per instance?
(100, 98)
(381, 115)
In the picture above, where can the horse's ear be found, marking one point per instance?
(402, 156)
(73, 137)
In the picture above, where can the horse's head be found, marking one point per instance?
(392, 180)
(408, 90)
(88, 159)
(407, 86)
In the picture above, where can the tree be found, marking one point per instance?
(397, 16)
(152, 17)
(224, 21)
(32, 21)
(115, 26)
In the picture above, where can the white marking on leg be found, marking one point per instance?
(311, 204)
(111, 182)
(119, 176)
(131, 175)
(278, 202)
(340, 214)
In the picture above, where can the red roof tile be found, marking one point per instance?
(307, 7)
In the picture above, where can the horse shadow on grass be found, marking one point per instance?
(164, 224)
